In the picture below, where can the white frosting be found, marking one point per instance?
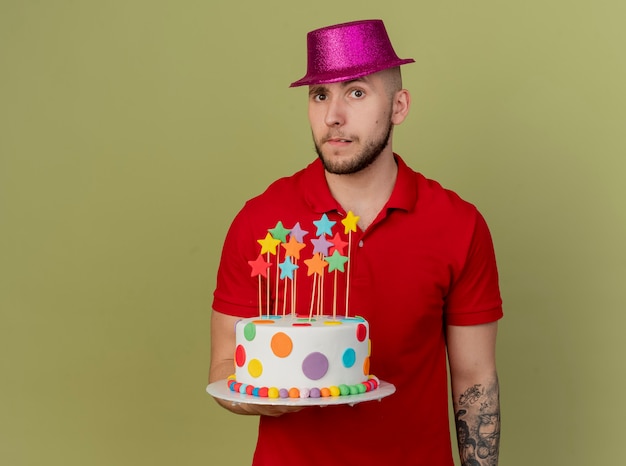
(297, 357)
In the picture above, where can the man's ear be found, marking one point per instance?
(401, 104)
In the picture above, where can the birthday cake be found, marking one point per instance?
(284, 353)
(302, 357)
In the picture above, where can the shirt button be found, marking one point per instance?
(361, 243)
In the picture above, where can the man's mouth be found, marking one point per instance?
(338, 140)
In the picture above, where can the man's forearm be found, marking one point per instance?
(477, 416)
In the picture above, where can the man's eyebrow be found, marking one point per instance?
(314, 90)
(320, 89)
(362, 79)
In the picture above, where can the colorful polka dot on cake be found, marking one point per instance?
(281, 345)
(361, 332)
(349, 357)
(315, 366)
(249, 331)
(255, 368)
(240, 355)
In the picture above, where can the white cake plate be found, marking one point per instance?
(220, 390)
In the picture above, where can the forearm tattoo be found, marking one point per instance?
(478, 425)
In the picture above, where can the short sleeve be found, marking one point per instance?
(236, 291)
(474, 296)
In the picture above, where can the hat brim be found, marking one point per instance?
(347, 74)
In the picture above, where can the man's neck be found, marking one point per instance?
(365, 193)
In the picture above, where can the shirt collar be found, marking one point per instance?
(404, 194)
(318, 196)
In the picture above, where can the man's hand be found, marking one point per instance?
(261, 410)
(223, 365)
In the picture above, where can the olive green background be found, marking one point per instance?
(132, 131)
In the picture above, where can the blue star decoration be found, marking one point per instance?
(324, 226)
(286, 268)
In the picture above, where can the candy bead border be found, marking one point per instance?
(272, 392)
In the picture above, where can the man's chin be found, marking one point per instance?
(338, 168)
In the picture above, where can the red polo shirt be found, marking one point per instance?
(426, 261)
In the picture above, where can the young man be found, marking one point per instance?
(423, 273)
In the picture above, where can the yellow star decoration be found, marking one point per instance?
(350, 222)
(268, 244)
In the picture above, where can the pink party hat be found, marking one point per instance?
(348, 51)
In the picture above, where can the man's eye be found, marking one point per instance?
(319, 97)
(358, 93)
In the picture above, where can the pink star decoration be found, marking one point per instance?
(259, 266)
(338, 244)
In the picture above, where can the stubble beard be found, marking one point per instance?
(363, 159)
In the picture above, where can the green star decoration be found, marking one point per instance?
(336, 261)
(280, 232)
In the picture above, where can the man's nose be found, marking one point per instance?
(335, 113)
